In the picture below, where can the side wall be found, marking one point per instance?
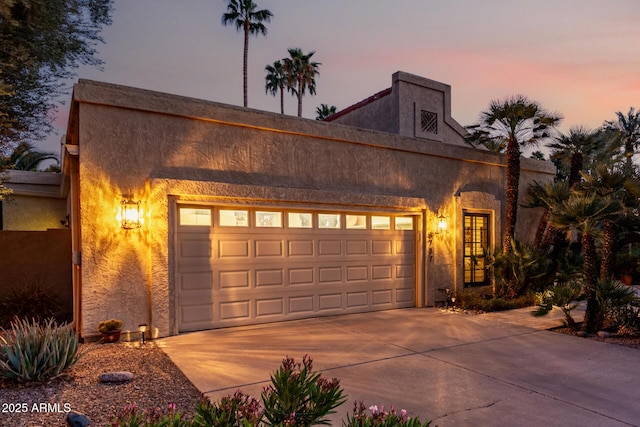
(37, 258)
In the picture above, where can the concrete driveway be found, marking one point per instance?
(455, 369)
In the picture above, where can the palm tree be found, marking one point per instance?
(627, 129)
(517, 121)
(574, 149)
(324, 111)
(615, 184)
(585, 213)
(25, 157)
(301, 72)
(244, 15)
(275, 81)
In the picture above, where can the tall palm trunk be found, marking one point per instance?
(590, 280)
(282, 99)
(513, 179)
(575, 169)
(300, 96)
(543, 225)
(608, 249)
(246, 61)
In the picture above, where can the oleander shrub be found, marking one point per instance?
(299, 396)
(132, 416)
(238, 409)
(378, 417)
(37, 351)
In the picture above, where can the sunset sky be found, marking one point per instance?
(579, 58)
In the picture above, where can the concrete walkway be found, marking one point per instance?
(455, 369)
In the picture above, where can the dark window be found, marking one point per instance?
(476, 239)
(429, 122)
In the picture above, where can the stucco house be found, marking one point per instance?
(188, 214)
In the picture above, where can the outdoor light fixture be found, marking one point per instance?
(441, 223)
(130, 213)
(142, 328)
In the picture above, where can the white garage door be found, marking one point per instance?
(242, 266)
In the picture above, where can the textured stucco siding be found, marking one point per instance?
(166, 149)
(30, 213)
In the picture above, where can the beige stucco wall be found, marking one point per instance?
(37, 201)
(165, 148)
(29, 213)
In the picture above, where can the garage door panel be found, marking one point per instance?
(303, 304)
(201, 314)
(357, 273)
(270, 307)
(301, 276)
(381, 247)
(329, 247)
(406, 247)
(233, 248)
(379, 272)
(234, 279)
(405, 296)
(195, 249)
(357, 247)
(300, 248)
(405, 271)
(330, 274)
(268, 248)
(330, 301)
(234, 310)
(269, 278)
(196, 281)
(357, 299)
(382, 297)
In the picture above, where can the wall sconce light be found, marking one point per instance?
(142, 328)
(441, 223)
(130, 213)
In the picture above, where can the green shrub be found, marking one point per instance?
(468, 299)
(34, 351)
(130, 416)
(519, 271)
(380, 418)
(299, 396)
(565, 297)
(619, 305)
(231, 411)
(30, 302)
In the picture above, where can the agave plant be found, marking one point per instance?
(33, 351)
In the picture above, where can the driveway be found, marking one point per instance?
(455, 369)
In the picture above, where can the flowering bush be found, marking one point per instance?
(131, 416)
(237, 410)
(298, 396)
(380, 418)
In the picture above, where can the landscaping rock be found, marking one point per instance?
(116, 377)
(582, 334)
(77, 419)
(604, 334)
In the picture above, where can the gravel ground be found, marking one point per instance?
(157, 382)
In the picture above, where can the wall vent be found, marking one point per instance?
(428, 122)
